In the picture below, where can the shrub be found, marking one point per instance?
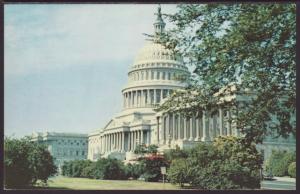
(279, 162)
(134, 170)
(178, 172)
(109, 169)
(152, 166)
(227, 163)
(25, 162)
(292, 170)
(175, 154)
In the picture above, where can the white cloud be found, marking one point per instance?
(70, 35)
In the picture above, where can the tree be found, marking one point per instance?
(292, 170)
(175, 154)
(227, 163)
(279, 162)
(25, 162)
(178, 172)
(143, 149)
(252, 46)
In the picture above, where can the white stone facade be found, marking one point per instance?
(152, 78)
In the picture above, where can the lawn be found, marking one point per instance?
(61, 182)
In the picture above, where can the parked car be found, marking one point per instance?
(268, 176)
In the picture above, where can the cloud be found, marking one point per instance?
(40, 37)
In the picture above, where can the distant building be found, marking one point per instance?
(64, 146)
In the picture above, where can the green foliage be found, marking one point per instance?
(75, 168)
(250, 45)
(151, 167)
(25, 162)
(292, 170)
(279, 162)
(143, 149)
(175, 154)
(108, 169)
(134, 170)
(178, 172)
(227, 163)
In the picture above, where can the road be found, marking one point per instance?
(278, 185)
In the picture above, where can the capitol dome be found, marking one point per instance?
(155, 52)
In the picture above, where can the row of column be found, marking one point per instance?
(123, 141)
(197, 128)
(144, 98)
(152, 75)
(113, 141)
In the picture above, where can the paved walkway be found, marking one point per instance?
(285, 179)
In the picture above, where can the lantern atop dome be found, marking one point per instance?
(159, 24)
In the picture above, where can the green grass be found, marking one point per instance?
(93, 184)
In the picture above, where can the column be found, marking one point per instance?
(215, 126)
(173, 127)
(197, 126)
(191, 128)
(167, 128)
(132, 141)
(143, 98)
(229, 132)
(221, 121)
(154, 97)
(157, 122)
(148, 97)
(129, 141)
(131, 99)
(142, 136)
(179, 126)
(184, 128)
(122, 141)
(161, 94)
(148, 138)
(205, 127)
(118, 141)
(163, 130)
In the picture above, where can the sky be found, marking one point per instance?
(65, 65)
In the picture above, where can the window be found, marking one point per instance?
(83, 153)
(157, 75)
(169, 76)
(152, 75)
(164, 75)
(77, 153)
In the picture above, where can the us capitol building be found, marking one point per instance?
(153, 77)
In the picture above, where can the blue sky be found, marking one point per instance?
(65, 65)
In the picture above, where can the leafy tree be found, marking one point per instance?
(175, 154)
(143, 149)
(25, 162)
(134, 170)
(252, 46)
(292, 170)
(151, 167)
(178, 172)
(227, 163)
(279, 162)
